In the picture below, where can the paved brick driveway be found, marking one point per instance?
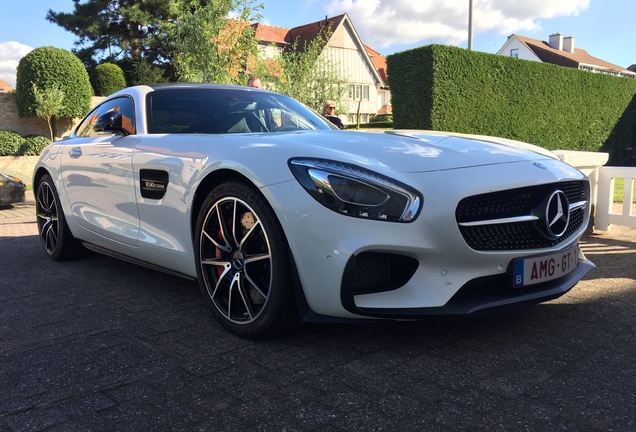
(101, 345)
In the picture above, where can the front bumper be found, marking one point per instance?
(450, 278)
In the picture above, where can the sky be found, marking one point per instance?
(604, 28)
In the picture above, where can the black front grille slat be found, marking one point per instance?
(513, 203)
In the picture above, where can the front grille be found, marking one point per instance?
(378, 272)
(514, 203)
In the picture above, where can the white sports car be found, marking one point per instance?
(281, 218)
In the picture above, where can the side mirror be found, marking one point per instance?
(110, 123)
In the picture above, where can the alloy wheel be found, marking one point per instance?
(236, 260)
(47, 218)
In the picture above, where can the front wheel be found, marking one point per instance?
(243, 263)
(53, 231)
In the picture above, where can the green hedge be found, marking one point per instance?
(13, 144)
(440, 87)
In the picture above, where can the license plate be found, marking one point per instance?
(534, 270)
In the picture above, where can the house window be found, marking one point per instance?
(358, 91)
(514, 52)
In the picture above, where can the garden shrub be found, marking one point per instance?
(13, 144)
(381, 118)
(107, 78)
(49, 66)
(33, 145)
(10, 143)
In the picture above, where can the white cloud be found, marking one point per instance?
(10, 54)
(385, 22)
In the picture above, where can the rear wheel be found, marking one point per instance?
(243, 263)
(54, 233)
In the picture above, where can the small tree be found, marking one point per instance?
(107, 78)
(207, 45)
(48, 102)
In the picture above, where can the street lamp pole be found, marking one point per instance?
(470, 25)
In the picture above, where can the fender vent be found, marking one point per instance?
(154, 183)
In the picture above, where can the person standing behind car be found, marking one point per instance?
(329, 111)
(255, 81)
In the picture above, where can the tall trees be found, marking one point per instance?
(112, 29)
(192, 40)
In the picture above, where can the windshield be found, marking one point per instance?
(223, 110)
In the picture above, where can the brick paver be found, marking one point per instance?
(102, 345)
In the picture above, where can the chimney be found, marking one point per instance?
(568, 44)
(556, 41)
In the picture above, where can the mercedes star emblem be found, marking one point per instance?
(557, 214)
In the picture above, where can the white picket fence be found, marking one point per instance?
(607, 211)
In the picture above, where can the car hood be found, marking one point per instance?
(418, 151)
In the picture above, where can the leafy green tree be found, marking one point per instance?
(111, 29)
(208, 45)
(107, 78)
(48, 102)
(309, 75)
(48, 67)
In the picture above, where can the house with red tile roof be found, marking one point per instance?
(560, 50)
(363, 68)
(5, 87)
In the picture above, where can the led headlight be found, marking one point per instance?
(356, 192)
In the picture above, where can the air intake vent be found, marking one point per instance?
(154, 183)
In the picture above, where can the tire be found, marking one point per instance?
(243, 262)
(55, 236)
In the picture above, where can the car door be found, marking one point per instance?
(98, 175)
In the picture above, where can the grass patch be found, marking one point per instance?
(619, 189)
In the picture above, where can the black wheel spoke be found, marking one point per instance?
(244, 298)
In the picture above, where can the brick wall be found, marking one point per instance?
(21, 166)
(9, 119)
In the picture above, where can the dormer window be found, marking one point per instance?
(514, 52)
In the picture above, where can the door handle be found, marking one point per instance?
(75, 152)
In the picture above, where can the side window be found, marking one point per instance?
(123, 105)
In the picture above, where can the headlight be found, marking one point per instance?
(354, 191)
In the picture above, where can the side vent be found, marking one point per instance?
(154, 183)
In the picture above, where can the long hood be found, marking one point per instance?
(413, 151)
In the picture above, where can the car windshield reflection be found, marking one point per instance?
(221, 111)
